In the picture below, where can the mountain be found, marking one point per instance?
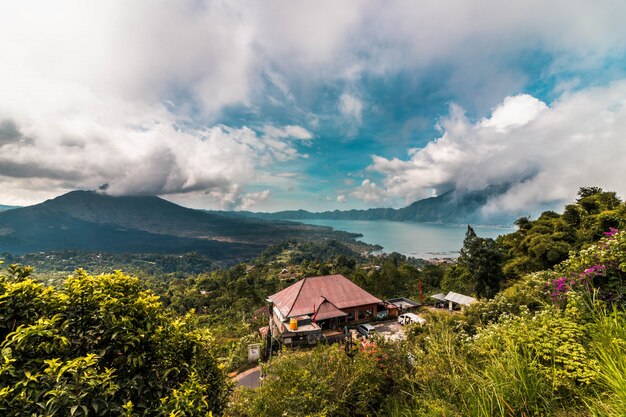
(451, 207)
(90, 221)
(5, 208)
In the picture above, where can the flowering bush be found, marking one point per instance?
(601, 268)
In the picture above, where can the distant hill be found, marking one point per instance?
(90, 221)
(5, 208)
(452, 207)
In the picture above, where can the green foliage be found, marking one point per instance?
(478, 270)
(609, 350)
(554, 340)
(543, 243)
(601, 266)
(510, 385)
(101, 345)
(326, 381)
(23, 300)
(528, 294)
(458, 279)
(189, 399)
(394, 277)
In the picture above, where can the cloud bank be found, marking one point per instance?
(547, 152)
(137, 94)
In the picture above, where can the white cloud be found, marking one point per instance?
(513, 112)
(289, 131)
(341, 198)
(248, 200)
(547, 152)
(369, 191)
(351, 107)
(85, 82)
(136, 148)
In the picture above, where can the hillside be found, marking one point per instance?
(451, 207)
(89, 221)
(5, 208)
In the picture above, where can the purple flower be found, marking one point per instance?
(560, 289)
(594, 270)
(612, 232)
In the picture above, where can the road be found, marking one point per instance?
(249, 378)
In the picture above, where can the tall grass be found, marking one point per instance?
(609, 349)
(508, 385)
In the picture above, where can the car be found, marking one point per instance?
(408, 318)
(366, 330)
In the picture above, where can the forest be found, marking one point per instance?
(547, 337)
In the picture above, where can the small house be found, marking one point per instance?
(317, 307)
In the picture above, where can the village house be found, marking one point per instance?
(317, 307)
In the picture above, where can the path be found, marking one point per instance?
(249, 378)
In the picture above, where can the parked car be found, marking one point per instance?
(408, 318)
(366, 330)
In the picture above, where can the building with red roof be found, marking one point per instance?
(316, 306)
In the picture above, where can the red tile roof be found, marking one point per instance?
(326, 310)
(301, 297)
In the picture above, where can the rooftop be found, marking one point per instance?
(308, 294)
(460, 298)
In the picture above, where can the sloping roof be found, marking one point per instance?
(403, 303)
(326, 310)
(301, 297)
(460, 298)
(441, 296)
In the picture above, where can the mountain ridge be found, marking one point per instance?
(453, 207)
(87, 220)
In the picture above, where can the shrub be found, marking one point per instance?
(102, 346)
(326, 381)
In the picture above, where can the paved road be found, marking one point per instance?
(249, 378)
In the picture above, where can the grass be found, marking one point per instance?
(609, 349)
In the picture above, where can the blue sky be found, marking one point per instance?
(315, 105)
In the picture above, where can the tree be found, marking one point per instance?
(547, 241)
(102, 346)
(482, 260)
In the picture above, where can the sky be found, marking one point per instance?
(274, 105)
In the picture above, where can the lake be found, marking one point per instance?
(420, 240)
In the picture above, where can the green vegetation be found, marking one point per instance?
(327, 382)
(101, 345)
(479, 267)
(547, 338)
(536, 349)
(541, 244)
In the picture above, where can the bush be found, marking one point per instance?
(326, 381)
(102, 346)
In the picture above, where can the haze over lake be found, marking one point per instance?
(419, 240)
